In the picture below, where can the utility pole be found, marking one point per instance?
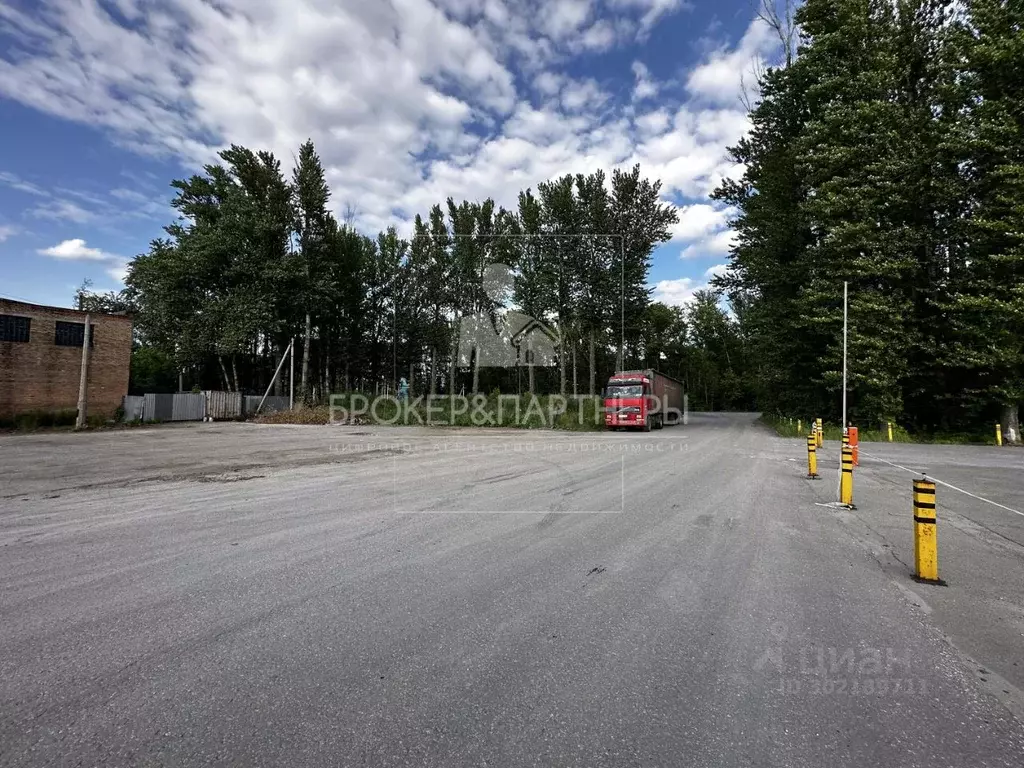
(291, 378)
(622, 304)
(83, 380)
(846, 315)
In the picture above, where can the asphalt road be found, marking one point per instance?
(246, 595)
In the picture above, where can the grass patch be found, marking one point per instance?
(34, 421)
(787, 427)
(493, 410)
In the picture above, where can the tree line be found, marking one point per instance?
(255, 260)
(888, 152)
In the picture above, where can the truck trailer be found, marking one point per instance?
(644, 399)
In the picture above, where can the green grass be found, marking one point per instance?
(581, 415)
(32, 421)
(787, 427)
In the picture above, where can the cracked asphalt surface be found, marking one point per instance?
(236, 594)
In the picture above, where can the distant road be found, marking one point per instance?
(234, 594)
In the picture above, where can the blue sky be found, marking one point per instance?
(103, 102)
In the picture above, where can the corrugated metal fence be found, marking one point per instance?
(223, 405)
(183, 406)
(196, 406)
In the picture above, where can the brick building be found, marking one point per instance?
(41, 359)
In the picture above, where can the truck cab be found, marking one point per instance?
(628, 402)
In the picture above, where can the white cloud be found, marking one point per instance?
(63, 210)
(718, 244)
(677, 293)
(645, 87)
(722, 78)
(561, 18)
(586, 94)
(600, 36)
(652, 11)
(548, 83)
(7, 231)
(118, 272)
(699, 220)
(653, 123)
(716, 271)
(408, 102)
(16, 182)
(75, 250)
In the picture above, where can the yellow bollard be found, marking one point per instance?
(821, 432)
(999, 434)
(812, 457)
(926, 551)
(846, 479)
(799, 426)
(890, 431)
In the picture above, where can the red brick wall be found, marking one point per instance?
(41, 376)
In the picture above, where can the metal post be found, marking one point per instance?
(622, 305)
(846, 483)
(812, 457)
(83, 379)
(845, 323)
(291, 378)
(926, 552)
(287, 353)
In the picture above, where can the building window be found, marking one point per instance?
(73, 334)
(14, 328)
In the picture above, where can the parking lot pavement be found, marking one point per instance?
(980, 507)
(230, 594)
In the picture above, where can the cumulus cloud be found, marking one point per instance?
(598, 37)
(408, 101)
(722, 78)
(718, 244)
(699, 220)
(716, 271)
(645, 87)
(677, 293)
(75, 250)
(118, 272)
(560, 18)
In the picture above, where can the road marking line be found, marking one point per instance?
(947, 485)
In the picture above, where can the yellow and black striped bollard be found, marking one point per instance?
(846, 478)
(821, 432)
(812, 457)
(926, 549)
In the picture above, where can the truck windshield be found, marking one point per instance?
(626, 390)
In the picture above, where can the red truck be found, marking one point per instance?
(646, 399)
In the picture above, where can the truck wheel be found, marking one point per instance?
(660, 423)
(647, 424)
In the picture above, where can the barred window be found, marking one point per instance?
(73, 334)
(14, 328)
